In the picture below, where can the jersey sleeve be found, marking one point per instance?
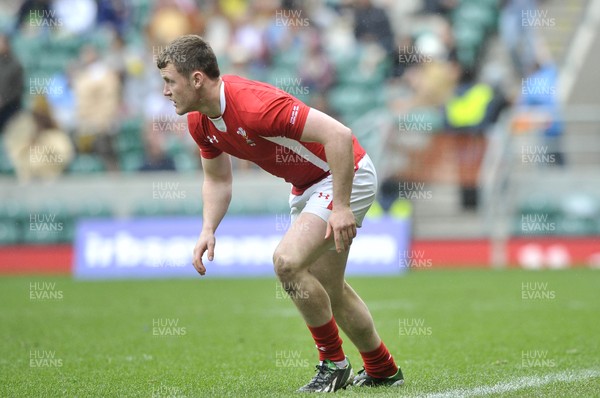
(280, 114)
(207, 150)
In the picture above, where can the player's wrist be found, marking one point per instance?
(208, 229)
(338, 206)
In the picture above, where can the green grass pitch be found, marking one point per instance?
(455, 333)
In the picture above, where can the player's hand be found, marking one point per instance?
(343, 224)
(206, 242)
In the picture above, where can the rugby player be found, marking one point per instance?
(333, 186)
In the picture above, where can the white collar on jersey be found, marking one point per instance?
(218, 122)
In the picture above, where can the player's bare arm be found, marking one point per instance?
(337, 140)
(216, 195)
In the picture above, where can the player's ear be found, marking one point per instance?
(198, 78)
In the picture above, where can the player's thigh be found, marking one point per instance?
(303, 243)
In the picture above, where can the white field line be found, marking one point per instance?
(519, 384)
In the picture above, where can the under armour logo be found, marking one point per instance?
(213, 139)
(322, 195)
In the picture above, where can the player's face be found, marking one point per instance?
(178, 89)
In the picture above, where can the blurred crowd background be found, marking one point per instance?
(82, 74)
(421, 82)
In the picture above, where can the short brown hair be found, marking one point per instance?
(189, 53)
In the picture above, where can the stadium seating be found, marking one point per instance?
(545, 215)
(12, 216)
(6, 166)
(54, 222)
(86, 163)
(473, 21)
(357, 92)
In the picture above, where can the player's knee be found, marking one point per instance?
(285, 267)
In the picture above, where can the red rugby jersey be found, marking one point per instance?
(263, 124)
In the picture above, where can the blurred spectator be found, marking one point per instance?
(114, 13)
(309, 43)
(371, 24)
(233, 9)
(155, 157)
(127, 58)
(36, 145)
(439, 7)
(218, 32)
(403, 57)
(11, 82)
(469, 109)
(291, 4)
(285, 31)
(116, 59)
(470, 112)
(539, 102)
(97, 98)
(519, 38)
(173, 18)
(316, 72)
(62, 100)
(432, 77)
(76, 17)
(247, 49)
(35, 13)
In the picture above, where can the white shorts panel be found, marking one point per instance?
(317, 198)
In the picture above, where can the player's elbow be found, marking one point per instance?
(345, 132)
(346, 136)
(342, 134)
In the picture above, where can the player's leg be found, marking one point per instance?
(303, 243)
(353, 316)
(350, 312)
